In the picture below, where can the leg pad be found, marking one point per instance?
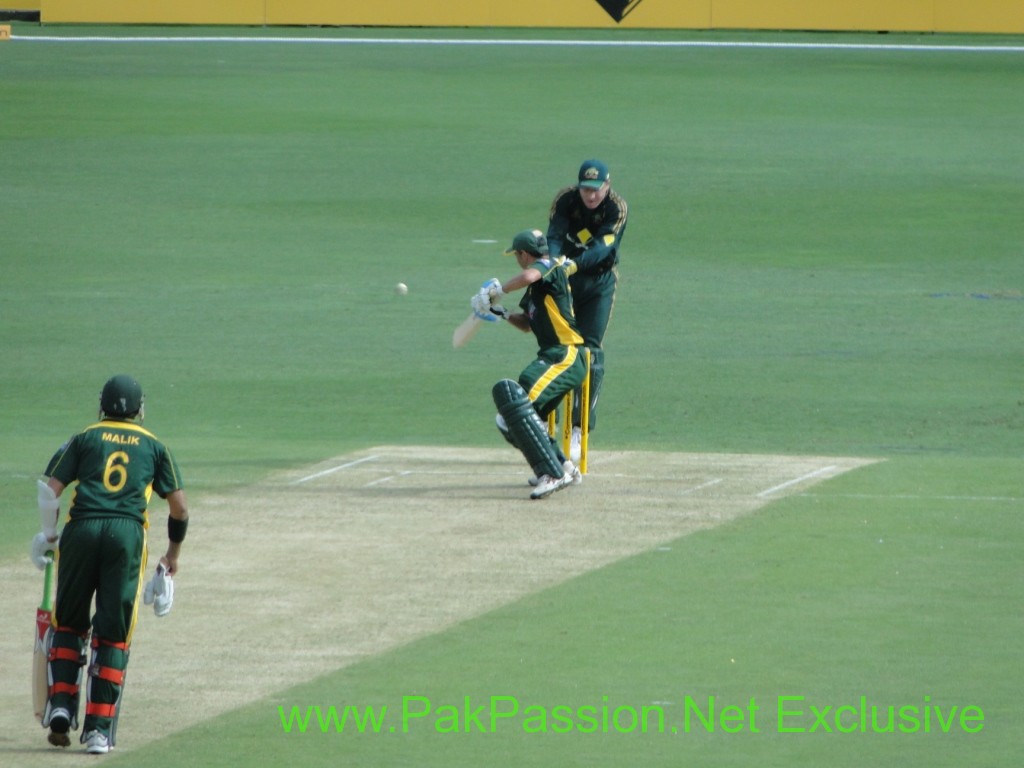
(66, 656)
(105, 686)
(525, 428)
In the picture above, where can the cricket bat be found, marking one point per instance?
(44, 617)
(466, 330)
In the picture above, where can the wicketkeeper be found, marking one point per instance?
(586, 225)
(101, 553)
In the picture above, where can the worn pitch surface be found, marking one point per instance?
(318, 568)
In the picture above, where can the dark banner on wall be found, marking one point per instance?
(619, 9)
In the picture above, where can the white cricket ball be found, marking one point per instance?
(401, 289)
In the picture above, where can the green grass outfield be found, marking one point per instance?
(825, 255)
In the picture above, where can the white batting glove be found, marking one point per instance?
(41, 551)
(483, 309)
(159, 591)
(492, 288)
(481, 304)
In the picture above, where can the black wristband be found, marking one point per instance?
(176, 529)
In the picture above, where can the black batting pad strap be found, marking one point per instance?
(525, 427)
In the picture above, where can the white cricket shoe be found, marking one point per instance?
(576, 445)
(568, 467)
(96, 743)
(546, 485)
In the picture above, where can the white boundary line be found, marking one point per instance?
(556, 43)
(795, 480)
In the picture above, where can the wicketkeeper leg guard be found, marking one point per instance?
(66, 657)
(106, 684)
(525, 429)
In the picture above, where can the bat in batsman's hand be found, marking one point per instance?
(44, 620)
(466, 329)
(484, 309)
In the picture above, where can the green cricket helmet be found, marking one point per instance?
(121, 397)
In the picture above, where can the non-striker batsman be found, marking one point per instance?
(116, 465)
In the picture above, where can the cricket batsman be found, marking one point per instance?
(116, 465)
(560, 366)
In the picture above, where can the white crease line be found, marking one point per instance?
(794, 481)
(702, 486)
(332, 470)
(388, 479)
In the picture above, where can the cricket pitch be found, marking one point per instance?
(318, 568)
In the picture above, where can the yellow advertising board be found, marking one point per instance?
(416, 13)
(873, 15)
(154, 11)
(683, 14)
(1005, 16)
(979, 16)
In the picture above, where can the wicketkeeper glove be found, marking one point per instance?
(159, 591)
(41, 550)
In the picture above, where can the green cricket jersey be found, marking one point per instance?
(118, 465)
(548, 304)
(591, 238)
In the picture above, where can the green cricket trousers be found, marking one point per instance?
(105, 558)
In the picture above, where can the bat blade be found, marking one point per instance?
(465, 331)
(44, 618)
